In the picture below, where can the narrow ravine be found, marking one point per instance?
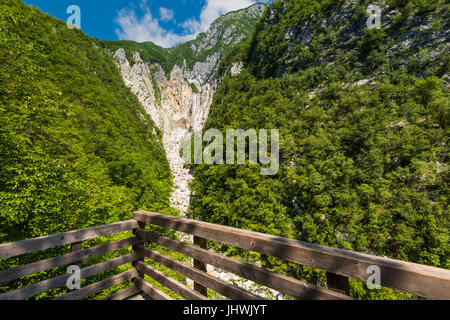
(179, 104)
(174, 107)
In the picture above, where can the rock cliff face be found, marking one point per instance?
(178, 104)
(178, 100)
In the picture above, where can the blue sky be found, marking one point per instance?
(165, 22)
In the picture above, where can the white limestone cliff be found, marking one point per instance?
(174, 107)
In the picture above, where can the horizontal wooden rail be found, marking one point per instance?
(224, 288)
(151, 290)
(124, 294)
(99, 286)
(339, 264)
(59, 281)
(423, 281)
(44, 265)
(273, 280)
(13, 249)
(177, 287)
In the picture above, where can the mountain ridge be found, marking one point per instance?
(195, 50)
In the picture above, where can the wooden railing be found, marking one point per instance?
(75, 239)
(340, 265)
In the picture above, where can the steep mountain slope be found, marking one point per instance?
(77, 149)
(364, 126)
(176, 86)
(412, 33)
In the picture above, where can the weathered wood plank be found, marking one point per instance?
(99, 286)
(44, 265)
(59, 281)
(177, 287)
(200, 265)
(224, 288)
(151, 290)
(13, 249)
(417, 279)
(124, 294)
(283, 284)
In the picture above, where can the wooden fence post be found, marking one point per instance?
(142, 226)
(338, 283)
(200, 265)
(74, 247)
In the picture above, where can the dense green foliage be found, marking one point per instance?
(364, 164)
(77, 149)
(326, 31)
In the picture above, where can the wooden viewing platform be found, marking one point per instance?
(340, 265)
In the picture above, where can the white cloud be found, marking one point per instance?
(148, 28)
(214, 9)
(166, 14)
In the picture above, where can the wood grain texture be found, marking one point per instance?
(200, 265)
(60, 281)
(338, 283)
(124, 294)
(13, 249)
(99, 286)
(176, 287)
(68, 259)
(151, 290)
(75, 247)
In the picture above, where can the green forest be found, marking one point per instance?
(364, 166)
(77, 149)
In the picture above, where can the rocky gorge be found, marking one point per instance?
(174, 107)
(178, 100)
(179, 103)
